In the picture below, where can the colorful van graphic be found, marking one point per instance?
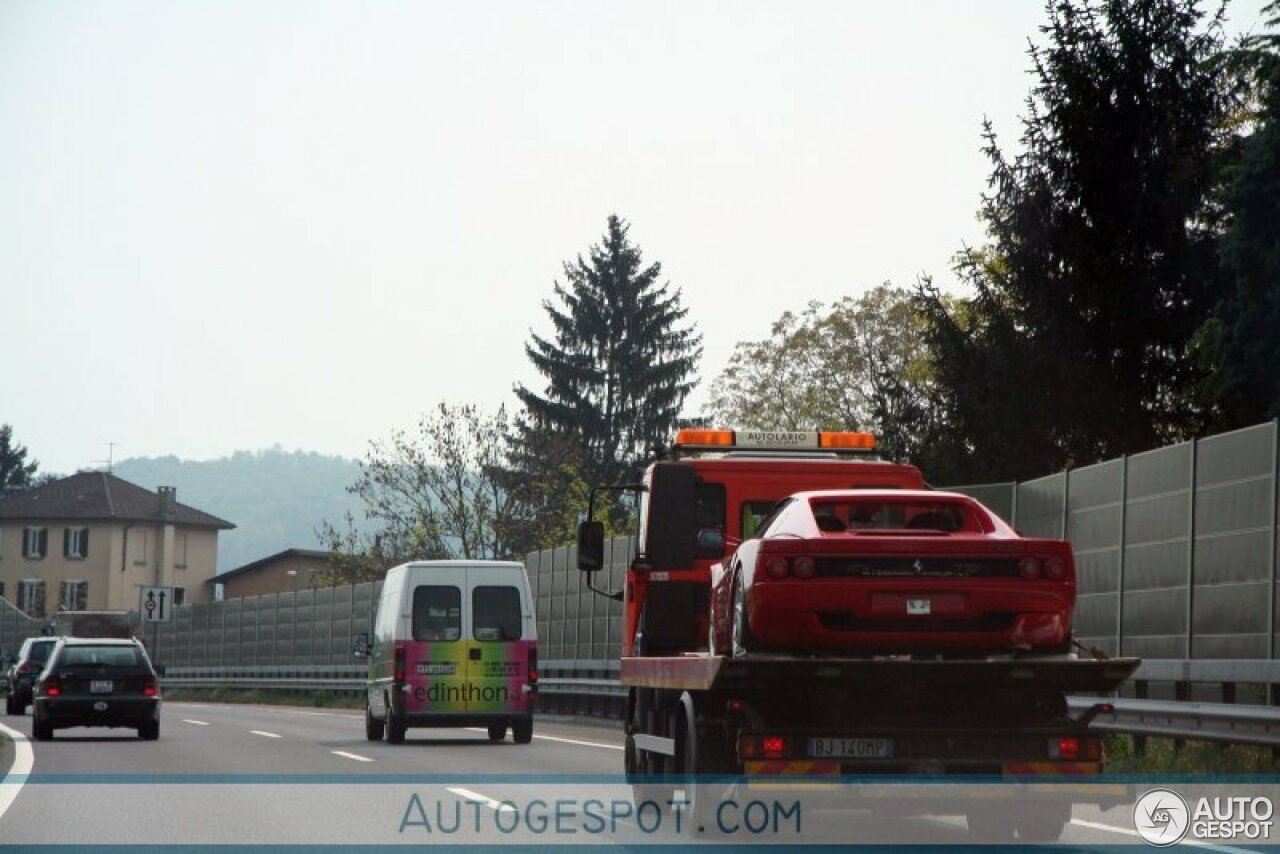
(453, 645)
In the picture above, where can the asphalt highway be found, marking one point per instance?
(257, 775)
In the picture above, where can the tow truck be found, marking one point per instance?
(693, 715)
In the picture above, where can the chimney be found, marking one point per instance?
(168, 500)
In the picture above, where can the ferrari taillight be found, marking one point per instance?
(776, 566)
(804, 567)
(1029, 567)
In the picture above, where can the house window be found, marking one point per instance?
(74, 596)
(180, 551)
(140, 548)
(31, 597)
(35, 543)
(75, 543)
(179, 596)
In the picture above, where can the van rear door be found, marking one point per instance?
(436, 652)
(501, 642)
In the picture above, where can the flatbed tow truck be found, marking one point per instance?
(699, 725)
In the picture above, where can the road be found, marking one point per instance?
(255, 775)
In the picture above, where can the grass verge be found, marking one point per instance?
(1165, 756)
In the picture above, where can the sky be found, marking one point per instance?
(235, 225)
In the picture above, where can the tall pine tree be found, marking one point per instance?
(16, 474)
(621, 361)
(1103, 258)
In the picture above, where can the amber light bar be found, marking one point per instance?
(775, 439)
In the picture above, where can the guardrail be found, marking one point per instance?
(591, 687)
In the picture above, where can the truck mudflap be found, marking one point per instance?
(700, 672)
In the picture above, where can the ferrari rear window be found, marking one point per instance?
(863, 514)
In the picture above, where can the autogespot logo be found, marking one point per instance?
(1161, 817)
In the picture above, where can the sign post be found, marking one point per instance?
(156, 606)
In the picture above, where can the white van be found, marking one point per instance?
(454, 644)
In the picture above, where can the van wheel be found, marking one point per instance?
(522, 730)
(373, 728)
(497, 732)
(395, 729)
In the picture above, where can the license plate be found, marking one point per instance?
(851, 748)
(100, 686)
(919, 606)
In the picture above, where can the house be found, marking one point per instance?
(283, 572)
(91, 541)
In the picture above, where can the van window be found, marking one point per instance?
(437, 613)
(495, 613)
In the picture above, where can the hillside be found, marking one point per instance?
(277, 499)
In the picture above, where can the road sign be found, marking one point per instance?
(156, 605)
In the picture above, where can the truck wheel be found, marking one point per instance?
(989, 825)
(743, 641)
(701, 755)
(522, 730)
(497, 732)
(1042, 822)
(373, 728)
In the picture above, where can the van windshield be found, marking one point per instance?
(437, 613)
(495, 613)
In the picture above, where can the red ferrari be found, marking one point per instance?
(882, 572)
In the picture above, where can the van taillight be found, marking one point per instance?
(399, 674)
(149, 687)
(533, 667)
(51, 687)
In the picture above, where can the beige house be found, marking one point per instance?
(283, 572)
(92, 541)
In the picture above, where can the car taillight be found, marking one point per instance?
(804, 567)
(149, 687)
(1055, 568)
(776, 567)
(51, 687)
(399, 669)
(1029, 567)
(533, 667)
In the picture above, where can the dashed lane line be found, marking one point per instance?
(355, 756)
(197, 723)
(264, 734)
(560, 739)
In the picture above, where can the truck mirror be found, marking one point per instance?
(360, 649)
(710, 543)
(672, 530)
(591, 546)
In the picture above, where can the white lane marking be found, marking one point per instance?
(561, 739)
(476, 796)
(355, 756)
(263, 734)
(24, 758)
(197, 723)
(325, 714)
(1199, 843)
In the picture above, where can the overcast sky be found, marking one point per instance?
(229, 225)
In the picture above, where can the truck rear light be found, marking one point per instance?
(1029, 567)
(804, 567)
(775, 747)
(1055, 568)
(51, 687)
(399, 667)
(776, 567)
(1064, 748)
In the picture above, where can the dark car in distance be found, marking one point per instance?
(24, 671)
(97, 682)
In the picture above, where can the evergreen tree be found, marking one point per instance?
(620, 363)
(1241, 343)
(1103, 256)
(16, 473)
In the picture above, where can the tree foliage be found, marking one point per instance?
(859, 364)
(620, 362)
(1240, 344)
(436, 492)
(15, 472)
(1102, 261)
